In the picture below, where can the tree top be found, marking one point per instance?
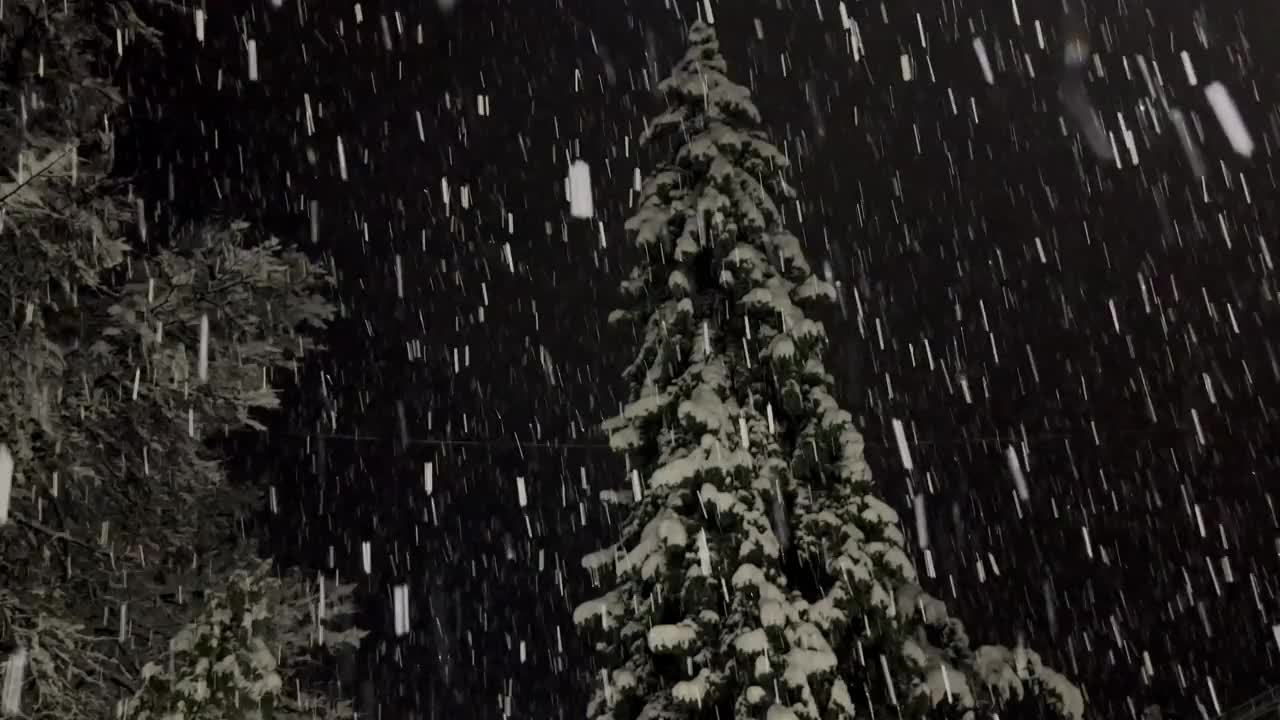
(700, 82)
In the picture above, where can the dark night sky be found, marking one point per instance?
(928, 216)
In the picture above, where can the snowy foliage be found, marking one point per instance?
(122, 525)
(232, 660)
(68, 667)
(757, 574)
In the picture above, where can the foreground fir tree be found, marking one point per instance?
(124, 359)
(233, 660)
(757, 575)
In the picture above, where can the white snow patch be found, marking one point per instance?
(748, 574)
(617, 497)
(945, 683)
(1004, 671)
(853, 564)
(782, 348)
(752, 642)
(722, 501)
(880, 597)
(806, 663)
(766, 542)
(1070, 699)
(678, 282)
(772, 614)
(624, 679)
(666, 638)
(692, 691)
(808, 330)
(840, 699)
(893, 556)
(672, 531)
(994, 667)
(644, 406)
(678, 470)
(911, 598)
(789, 249)
(599, 559)
(595, 608)
(781, 712)
(624, 439)
(705, 409)
(826, 611)
(878, 512)
(814, 287)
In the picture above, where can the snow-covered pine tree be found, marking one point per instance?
(233, 660)
(126, 355)
(757, 574)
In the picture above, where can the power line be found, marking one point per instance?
(458, 441)
(1097, 438)
(37, 174)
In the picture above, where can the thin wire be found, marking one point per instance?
(1015, 438)
(470, 443)
(37, 174)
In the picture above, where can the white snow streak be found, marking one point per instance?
(6, 482)
(1229, 118)
(581, 202)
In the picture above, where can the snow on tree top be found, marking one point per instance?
(700, 77)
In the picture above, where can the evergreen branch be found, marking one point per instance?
(38, 173)
(170, 5)
(56, 534)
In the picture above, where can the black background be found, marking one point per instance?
(926, 233)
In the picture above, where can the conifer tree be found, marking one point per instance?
(234, 659)
(127, 355)
(757, 574)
